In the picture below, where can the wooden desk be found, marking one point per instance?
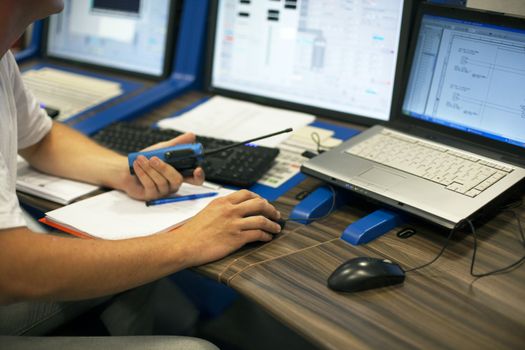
(440, 306)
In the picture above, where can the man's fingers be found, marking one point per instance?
(258, 206)
(256, 235)
(260, 222)
(198, 177)
(157, 178)
(147, 182)
(179, 140)
(241, 196)
(168, 179)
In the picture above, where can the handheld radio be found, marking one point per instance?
(185, 158)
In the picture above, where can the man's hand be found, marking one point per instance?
(154, 178)
(227, 224)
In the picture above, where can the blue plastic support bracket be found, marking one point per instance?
(319, 203)
(371, 226)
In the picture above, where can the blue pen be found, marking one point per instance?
(180, 198)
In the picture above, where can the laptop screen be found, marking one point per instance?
(336, 56)
(469, 76)
(128, 35)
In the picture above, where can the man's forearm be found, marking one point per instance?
(44, 267)
(68, 153)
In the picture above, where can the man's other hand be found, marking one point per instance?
(154, 178)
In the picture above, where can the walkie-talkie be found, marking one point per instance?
(185, 158)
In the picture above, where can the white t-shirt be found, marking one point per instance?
(22, 124)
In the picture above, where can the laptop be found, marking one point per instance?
(310, 56)
(458, 142)
(98, 50)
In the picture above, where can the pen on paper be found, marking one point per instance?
(180, 198)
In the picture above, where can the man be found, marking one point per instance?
(36, 267)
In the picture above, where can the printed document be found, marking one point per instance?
(237, 120)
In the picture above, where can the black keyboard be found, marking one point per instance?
(239, 166)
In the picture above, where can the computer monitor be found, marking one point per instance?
(134, 36)
(337, 59)
(470, 76)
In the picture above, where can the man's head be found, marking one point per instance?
(16, 15)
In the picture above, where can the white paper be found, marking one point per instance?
(236, 120)
(49, 187)
(113, 215)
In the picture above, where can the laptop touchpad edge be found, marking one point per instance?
(381, 177)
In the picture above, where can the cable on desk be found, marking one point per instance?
(469, 223)
(227, 267)
(501, 270)
(451, 233)
(277, 257)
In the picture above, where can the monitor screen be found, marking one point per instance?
(469, 76)
(335, 56)
(129, 35)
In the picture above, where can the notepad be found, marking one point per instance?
(113, 215)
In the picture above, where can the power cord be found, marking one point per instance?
(501, 270)
(459, 225)
(451, 233)
(317, 139)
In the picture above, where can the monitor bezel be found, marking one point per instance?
(169, 46)
(467, 14)
(408, 7)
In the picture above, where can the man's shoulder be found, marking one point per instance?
(7, 62)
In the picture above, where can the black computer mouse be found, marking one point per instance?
(281, 222)
(365, 273)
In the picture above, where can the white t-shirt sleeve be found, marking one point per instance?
(33, 122)
(10, 212)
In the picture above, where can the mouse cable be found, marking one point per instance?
(445, 245)
(501, 270)
(473, 260)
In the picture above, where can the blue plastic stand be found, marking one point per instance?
(371, 226)
(319, 203)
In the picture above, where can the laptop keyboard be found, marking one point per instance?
(70, 93)
(239, 166)
(456, 171)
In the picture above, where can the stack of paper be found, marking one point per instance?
(237, 120)
(113, 215)
(49, 187)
